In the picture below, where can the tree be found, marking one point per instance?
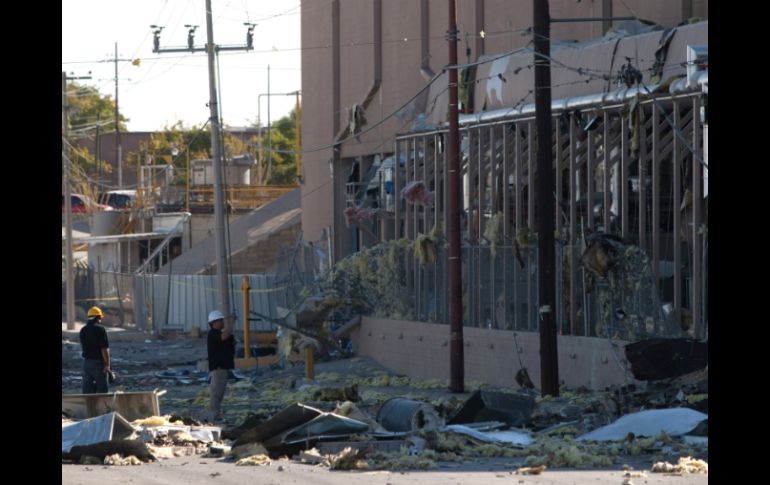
(174, 144)
(282, 164)
(87, 107)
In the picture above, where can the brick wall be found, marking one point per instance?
(263, 256)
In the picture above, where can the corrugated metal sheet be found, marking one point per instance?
(184, 301)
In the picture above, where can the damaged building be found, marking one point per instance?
(630, 134)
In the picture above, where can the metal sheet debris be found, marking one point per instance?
(661, 358)
(130, 405)
(513, 409)
(200, 433)
(673, 422)
(108, 427)
(299, 423)
(508, 437)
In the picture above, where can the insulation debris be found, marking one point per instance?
(116, 459)
(254, 460)
(156, 421)
(492, 232)
(686, 464)
(535, 470)
(311, 456)
(401, 461)
(349, 459)
(337, 393)
(425, 249)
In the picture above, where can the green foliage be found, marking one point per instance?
(87, 107)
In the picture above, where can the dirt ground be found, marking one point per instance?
(195, 470)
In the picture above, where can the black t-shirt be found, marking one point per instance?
(93, 338)
(221, 352)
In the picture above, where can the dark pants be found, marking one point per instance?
(94, 377)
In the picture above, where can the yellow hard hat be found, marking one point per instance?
(95, 311)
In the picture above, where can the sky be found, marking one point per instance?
(166, 88)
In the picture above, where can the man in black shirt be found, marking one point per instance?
(96, 352)
(221, 350)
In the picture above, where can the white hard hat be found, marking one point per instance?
(216, 315)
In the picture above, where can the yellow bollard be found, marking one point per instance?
(309, 364)
(246, 327)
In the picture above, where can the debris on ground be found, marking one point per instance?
(254, 460)
(124, 447)
(398, 414)
(247, 450)
(108, 427)
(256, 406)
(117, 460)
(665, 358)
(157, 421)
(534, 470)
(311, 456)
(673, 422)
(686, 464)
(349, 459)
(513, 409)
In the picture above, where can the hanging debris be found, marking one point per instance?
(416, 192)
(492, 232)
(354, 215)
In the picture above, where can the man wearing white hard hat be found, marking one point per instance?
(221, 352)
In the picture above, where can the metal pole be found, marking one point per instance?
(70, 289)
(549, 364)
(187, 190)
(246, 327)
(98, 152)
(297, 118)
(456, 362)
(222, 277)
(269, 130)
(118, 150)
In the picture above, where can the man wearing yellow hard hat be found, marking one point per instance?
(96, 352)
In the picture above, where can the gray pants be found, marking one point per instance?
(216, 392)
(94, 377)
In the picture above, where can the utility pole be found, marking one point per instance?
(221, 247)
(456, 358)
(549, 361)
(69, 285)
(211, 49)
(269, 130)
(97, 155)
(259, 122)
(118, 148)
(297, 120)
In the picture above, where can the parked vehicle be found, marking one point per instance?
(82, 204)
(119, 199)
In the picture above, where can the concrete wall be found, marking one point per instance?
(201, 228)
(338, 70)
(422, 350)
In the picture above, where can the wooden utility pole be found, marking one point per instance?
(456, 357)
(549, 361)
